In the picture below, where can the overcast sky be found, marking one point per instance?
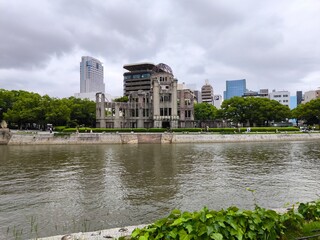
(273, 44)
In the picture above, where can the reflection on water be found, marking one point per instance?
(49, 190)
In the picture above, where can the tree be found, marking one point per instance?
(309, 112)
(83, 111)
(25, 109)
(253, 111)
(204, 112)
(234, 110)
(58, 112)
(121, 99)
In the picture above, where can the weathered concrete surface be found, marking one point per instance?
(5, 136)
(215, 138)
(135, 138)
(149, 138)
(114, 233)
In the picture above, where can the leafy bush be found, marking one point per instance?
(310, 211)
(59, 128)
(209, 224)
(61, 134)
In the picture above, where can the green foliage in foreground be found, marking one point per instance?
(232, 223)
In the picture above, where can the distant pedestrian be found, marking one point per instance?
(50, 130)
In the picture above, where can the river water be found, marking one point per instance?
(51, 190)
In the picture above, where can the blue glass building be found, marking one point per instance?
(235, 88)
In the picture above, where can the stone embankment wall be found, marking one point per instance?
(5, 136)
(135, 138)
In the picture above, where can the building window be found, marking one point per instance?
(145, 113)
(136, 76)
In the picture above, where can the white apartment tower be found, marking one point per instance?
(91, 75)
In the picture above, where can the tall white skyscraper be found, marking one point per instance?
(91, 78)
(91, 75)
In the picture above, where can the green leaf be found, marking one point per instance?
(176, 212)
(135, 232)
(189, 228)
(210, 230)
(252, 235)
(209, 215)
(173, 233)
(216, 236)
(183, 235)
(177, 222)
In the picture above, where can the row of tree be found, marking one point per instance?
(24, 109)
(258, 111)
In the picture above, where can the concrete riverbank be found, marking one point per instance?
(32, 138)
(113, 233)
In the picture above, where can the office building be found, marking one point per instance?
(137, 77)
(207, 93)
(217, 101)
(311, 95)
(299, 97)
(235, 88)
(91, 78)
(282, 97)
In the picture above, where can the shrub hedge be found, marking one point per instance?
(179, 130)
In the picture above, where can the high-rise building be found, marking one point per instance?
(235, 88)
(207, 93)
(91, 78)
(299, 97)
(91, 75)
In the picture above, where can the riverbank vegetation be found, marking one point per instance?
(234, 223)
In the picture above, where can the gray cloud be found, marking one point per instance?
(272, 44)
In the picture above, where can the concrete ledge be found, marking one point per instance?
(164, 138)
(113, 233)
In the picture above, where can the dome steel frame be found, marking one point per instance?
(161, 67)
